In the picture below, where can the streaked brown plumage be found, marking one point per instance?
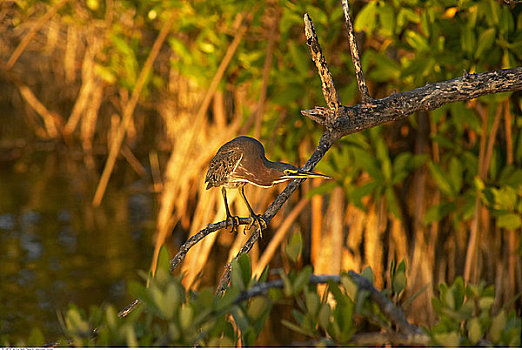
(241, 161)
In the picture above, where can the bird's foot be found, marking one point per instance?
(235, 223)
(260, 221)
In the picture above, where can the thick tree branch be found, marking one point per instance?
(429, 97)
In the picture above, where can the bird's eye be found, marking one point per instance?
(288, 172)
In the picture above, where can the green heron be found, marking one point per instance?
(243, 161)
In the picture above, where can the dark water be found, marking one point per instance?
(56, 249)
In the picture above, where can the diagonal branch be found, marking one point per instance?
(329, 91)
(355, 54)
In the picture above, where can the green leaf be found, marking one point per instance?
(393, 203)
(324, 316)
(336, 292)
(350, 286)
(474, 330)
(295, 327)
(405, 16)
(468, 40)
(36, 338)
(365, 20)
(302, 279)
(510, 221)
(228, 298)
(441, 179)
(456, 174)
(399, 282)
(312, 302)
(387, 19)
(367, 162)
(288, 288)
(236, 278)
(497, 327)
(170, 301)
(257, 307)
(485, 303)
(359, 192)
(163, 259)
(186, 316)
(506, 24)
(368, 274)
(438, 212)
(486, 39)
(294, 247)
(449, 339)
(416, 41)
(246, 268)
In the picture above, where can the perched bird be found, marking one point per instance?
(243, 161)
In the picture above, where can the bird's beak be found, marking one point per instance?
(302, 174)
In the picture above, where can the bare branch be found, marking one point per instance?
(329, 91)
(393, 313)
(361, 83)
(262, 288)
(431, 96)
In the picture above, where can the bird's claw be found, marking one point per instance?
(260, 221)
(235, 223)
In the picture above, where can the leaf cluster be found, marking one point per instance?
(171, 315)
(466, 316)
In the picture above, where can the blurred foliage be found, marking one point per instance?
(466, 315)
(170, 315)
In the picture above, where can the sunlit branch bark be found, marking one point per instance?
(429, 97)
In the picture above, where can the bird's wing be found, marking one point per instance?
(222, 165)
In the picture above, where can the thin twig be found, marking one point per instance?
(329, 91)
(361, 83)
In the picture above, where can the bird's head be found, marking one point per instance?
(288, 171)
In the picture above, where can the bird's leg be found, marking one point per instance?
(235, 219)
(254, 216)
